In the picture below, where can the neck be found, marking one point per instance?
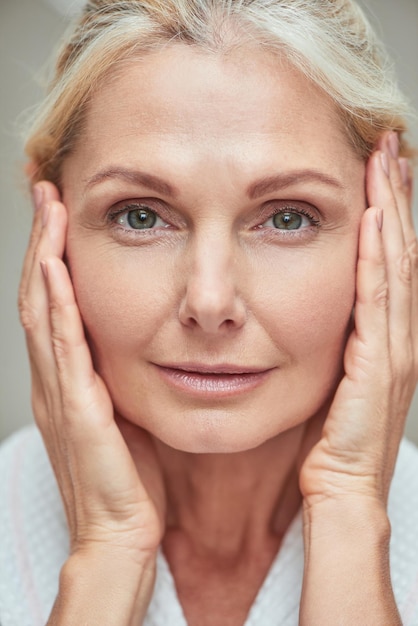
(232, 504)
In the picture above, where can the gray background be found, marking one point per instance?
(29, 29)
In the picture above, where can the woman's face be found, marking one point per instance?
(214, 207)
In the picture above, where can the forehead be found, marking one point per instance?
(183, 99)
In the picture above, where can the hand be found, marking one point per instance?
(357, 451)
(346, 476)
(106, 468)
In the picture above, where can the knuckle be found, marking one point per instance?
(381, 297)
(28, 314)
(59, 346)
(404, 267)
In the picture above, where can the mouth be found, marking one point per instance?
(212, 381)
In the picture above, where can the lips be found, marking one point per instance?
(212, 380)
(199, 368)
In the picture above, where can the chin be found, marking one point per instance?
(216, 432)
(212, 445)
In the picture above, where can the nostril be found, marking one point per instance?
(211, 319)
(211, 301)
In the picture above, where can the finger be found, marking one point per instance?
(72, 373)
(43, 193)
(406, 267)
(407, 220)
(33, 241)
(401, 178)
(77, 377)
(34, 300)
(381, 180)
(46, 401)
(48, 236)
(406, 213)
(31, 289)
(401, 185)
(381, 193)
(367, 356)
(372, 296)
(86, 418)
(403, 269)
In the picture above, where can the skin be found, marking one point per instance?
(214, 287)
(221, 285)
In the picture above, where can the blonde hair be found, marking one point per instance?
(330, 41)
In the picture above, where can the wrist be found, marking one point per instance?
(352, 518)
(352, 535)
(104, 586)
(347, 574)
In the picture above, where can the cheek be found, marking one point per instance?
(307, 308)
(122, 302)
(325, 317)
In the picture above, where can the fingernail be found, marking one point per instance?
(385, 162)
(404, 167)
(379, 219)
(44, 269)
(393, 142)
(38, 196)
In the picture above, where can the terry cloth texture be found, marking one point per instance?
(34, 545)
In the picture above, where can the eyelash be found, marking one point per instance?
(125, 209)
(295, 210)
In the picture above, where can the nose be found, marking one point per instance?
(211, 301)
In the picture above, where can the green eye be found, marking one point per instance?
(138, 217)
(287, 220)
(141, 218)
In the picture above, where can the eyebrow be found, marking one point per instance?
(269, 184)
(278, 182)
(136, 177)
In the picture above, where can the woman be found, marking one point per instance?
(220, 303)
